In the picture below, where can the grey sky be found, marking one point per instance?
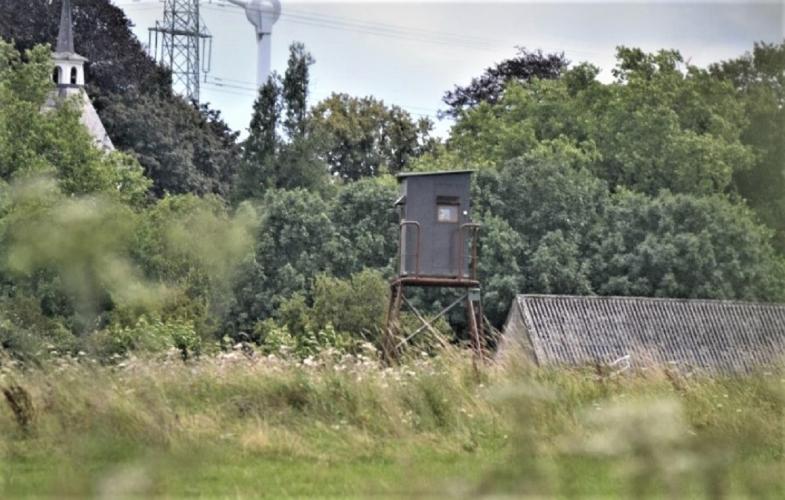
(410, 53)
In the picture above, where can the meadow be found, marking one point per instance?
(241, 424)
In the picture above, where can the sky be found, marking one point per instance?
(410, 53)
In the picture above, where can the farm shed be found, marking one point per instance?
(713, 335)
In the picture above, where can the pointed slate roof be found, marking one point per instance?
(65, 37)
(713, 335)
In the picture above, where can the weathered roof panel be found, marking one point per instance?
(716, 335)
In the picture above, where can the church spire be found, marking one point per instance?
(68, 75)
(65, 38)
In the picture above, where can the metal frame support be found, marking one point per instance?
(389, 349)
(393, 344)
(465, 277)
(475, 315)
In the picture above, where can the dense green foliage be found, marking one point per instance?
(664, 182)
(760, 88)
(350, 138)
(364, 138)
(490, 86)
(628, 188)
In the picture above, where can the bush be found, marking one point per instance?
(275, 339)
(27, 334)
(355, 306)
(147, 336)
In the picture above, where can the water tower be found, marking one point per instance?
(262, 14)
(437, 248)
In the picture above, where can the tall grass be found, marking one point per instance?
(239, 425)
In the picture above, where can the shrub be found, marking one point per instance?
(147, 336)
(355, 305)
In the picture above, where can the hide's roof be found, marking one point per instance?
(715, 335)
(404, 175)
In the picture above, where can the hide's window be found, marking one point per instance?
(447, 213)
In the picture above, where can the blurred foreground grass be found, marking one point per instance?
(234, 426)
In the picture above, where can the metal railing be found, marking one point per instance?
(466, 232)
(402, 251)
(475, 230)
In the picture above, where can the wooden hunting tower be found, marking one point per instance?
(437, 247)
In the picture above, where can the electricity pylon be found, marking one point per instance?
(182, 43)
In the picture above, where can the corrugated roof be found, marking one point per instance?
(723, 336)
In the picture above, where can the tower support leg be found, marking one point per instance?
(393, 327)
(392, 338)
(474, 316)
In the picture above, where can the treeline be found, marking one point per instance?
(666, 182)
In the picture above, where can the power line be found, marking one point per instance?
(219, 85)
(235, 80)
(410, 33)
(394, 32)
(362, 26)
(392, 27)
(135, 7)
(249, 86)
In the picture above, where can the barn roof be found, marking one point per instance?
(719, 336)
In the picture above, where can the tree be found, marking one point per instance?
(355, 306)
(501, 249)
(366, 225)
(293, 244)
(677, 245)
(361, 137)
(295, 89)
(280, 153)
(540, 217)
(67, 207)
(299, 165)
(183, 149)
(543, 192)
(194, 246)
(261, 148)
(656, 127)
(759, 83)
(551, 226)
(661, 128)
(79, 244)
(262, 142)
(490, 86)
(304, 234)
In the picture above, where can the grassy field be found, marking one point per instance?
(341, 426)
